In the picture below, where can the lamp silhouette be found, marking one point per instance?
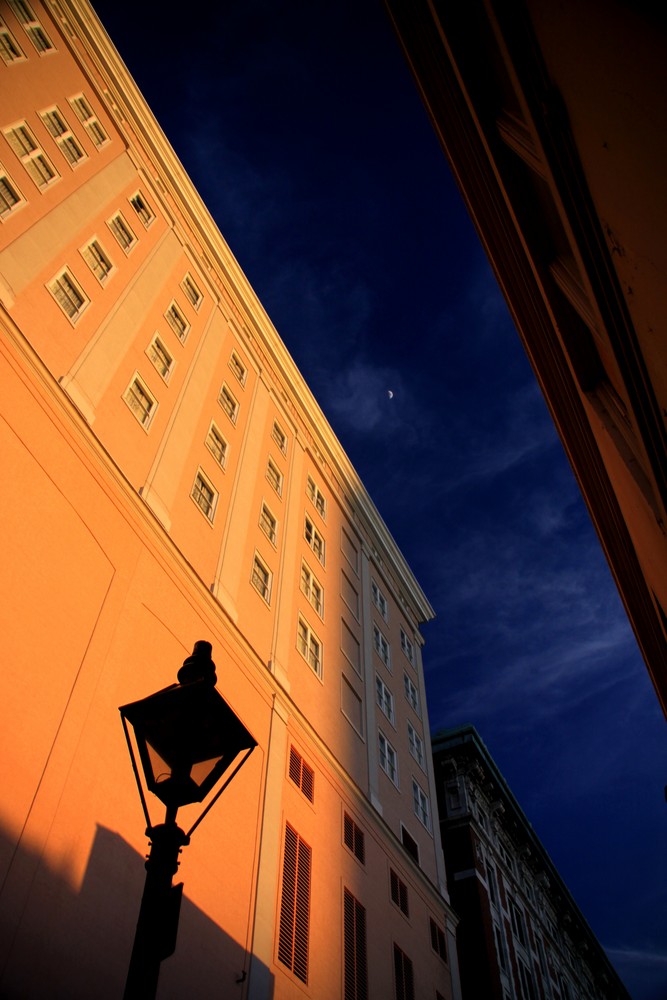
(188, 741)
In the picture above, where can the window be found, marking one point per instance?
(140, 401)
(388, 759)
(9, 48)
(518, 923)
(404, 982)
(268, 524)
(421, 805)
(228, 402)
(312, 589)
(192, 293)
(177, 321)
(261, 578)
(493, 884)
(10, 197)
(61, 133)
(143, 209)
(381, 646)
(353, 838)
(275, 477)
(355, 970)
(31, 155)
(500, 947)
(410, 844)
(124, 235)
(238, 368)
(528, 983)
(350, 646)
(399, 892)
(301, 774)
(94, 130)
(295, 905)
(160, 357)
(68, 295)
(416, 745)
(407, 646)
(379, 600)
(309, 646)
(438, 940)
(385, 698)
(349, 594)
(204, 495)
(316, 497)
(279, 436)
(216, 444)
(32, 26)
(314, 539)
(97, 260)
(349, 550)
(411, 693)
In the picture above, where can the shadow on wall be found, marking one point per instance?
(60, 943)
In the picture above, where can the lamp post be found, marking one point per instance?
(189, 742)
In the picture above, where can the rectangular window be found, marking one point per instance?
(97, 260)
(493, 884)
(301, 774)
(192, 293)
(279, 436)
(261, 578)
(399, 892)
(268, 523)
(385, 698)
(410, 844)
(316, 496)
(32, 156)
(355, 962)
(160, 357)
(438, 940)
(294, 918)
(10, 51)
(91, 124)
(122, 232)
(275, 477)
(421, 805)
(351, 705)
(10, 197)
(216, 444)
(312, 588)
(388, 758)
(349, 594)
(404, 980)
(350, 646)
(518, 923)
(416, 745)
(411, 692)
(204, 495)
(309, 646)
(500, 947)
(228, 402)
(528, 983)
(68, 295)
(59, 130)
(140, 401)
(407, 646)
(238, 368)
(143, 209)
(379, 600)
(32, 26)
(314, 539)
(354, 839)
(381, 646)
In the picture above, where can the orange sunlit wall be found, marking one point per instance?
(170, 478)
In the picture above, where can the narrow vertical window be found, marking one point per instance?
(314, 539)
(388, 758)
(204, 495)
(421, 805)
(177, 321)
(268, 524)
(121, 230)
(191, 290)
(94, 130)
(416, 745)
(407, 646)
(10, 197)
(160, 357)
(274, 476)
(68, 295)
(354, 839)
(381, 646)
(59, 130)
(31, 155)
(316, 496)
(32, 26)
(238, 368)
(228, 402)
(216, 444)
(143, 209)
(399, 892)
(355, 963)
(261, 578)
(294, 918)
(309, 646)
(279, 436)
(404, 981)
(9, 48)
(311, 587)
(438, 940)
(379, 600)
(97, 260)
(301, 774)
(140, 401)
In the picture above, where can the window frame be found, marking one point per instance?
(307, 588)
(261, 578)
(188, 282)
(389, 751)
(231, 410)
(144, 212)
(412, 694)
(398, 892)
(381, 646)
(293, 937)
(279, 437)
(238, 369)
(316, 497)
(354, 837)
(65, 276)
(11, 45)
(421, 805)
(304, 644)
(316, 541)
(416, 746)
(8, 181)
(120, 229)
(268, 524)
(408, 647)
(379, 600)
(209, 513)
(152, 350)
(214, 430)
(33, 28)
(102, 267)
(177, 322)
(301, 774)
(30, 154)
(385, 700)
(275, 477)
(134, 410)
(90, 121)
(62, 134)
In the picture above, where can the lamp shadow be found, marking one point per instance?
(60, 943)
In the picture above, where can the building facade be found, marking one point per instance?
(547, 113)
(521, 935)
(169, 478)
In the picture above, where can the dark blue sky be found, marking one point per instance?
(303, 132)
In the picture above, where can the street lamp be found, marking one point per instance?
(188, 741)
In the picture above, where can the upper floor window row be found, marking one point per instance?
(32, 26)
